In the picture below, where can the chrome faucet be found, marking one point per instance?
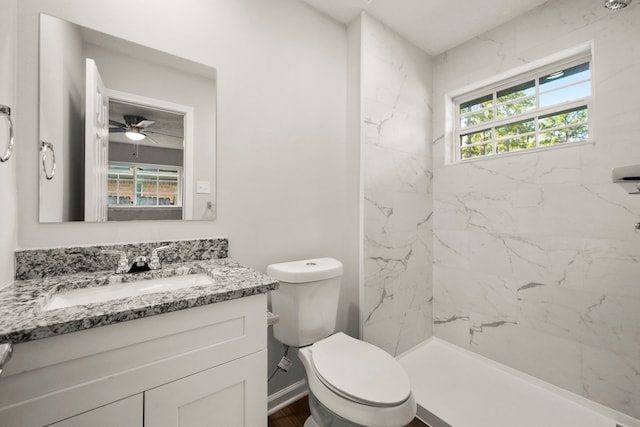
(123, 262)
(154, 261)
(139, 263)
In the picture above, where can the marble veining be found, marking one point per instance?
(535, 256)
(397, 305)
(39, 263)
(22, 317)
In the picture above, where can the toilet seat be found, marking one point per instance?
(347, 407)
(359, 371)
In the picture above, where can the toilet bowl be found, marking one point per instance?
(351, 383)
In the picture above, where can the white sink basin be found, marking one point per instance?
(124, 290)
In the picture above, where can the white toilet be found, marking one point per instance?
(351, 383)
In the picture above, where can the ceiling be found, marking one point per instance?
(434, 26)
(166, 123)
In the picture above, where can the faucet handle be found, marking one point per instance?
(154, 262)
(123, 262)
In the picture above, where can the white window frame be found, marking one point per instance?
(532, 71)
(135, 166)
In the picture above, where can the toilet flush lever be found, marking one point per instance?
(272, 319)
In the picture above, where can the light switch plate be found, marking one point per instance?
(202, 187)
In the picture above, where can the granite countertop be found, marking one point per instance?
(22, 317)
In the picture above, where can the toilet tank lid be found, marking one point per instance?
(306, 270)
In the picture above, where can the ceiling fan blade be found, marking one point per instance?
(117, 130)
(163, 134)
(144, 124)
(114, 123)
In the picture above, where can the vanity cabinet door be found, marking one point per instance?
(125, 412)
(230, 395)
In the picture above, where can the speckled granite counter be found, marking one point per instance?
(22, 317)
(40, 263)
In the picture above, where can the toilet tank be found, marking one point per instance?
(306, 301)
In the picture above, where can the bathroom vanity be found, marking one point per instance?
(171, 358)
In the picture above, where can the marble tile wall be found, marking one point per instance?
(536, 263)
(396, 92)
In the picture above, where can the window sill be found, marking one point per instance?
(142, 207)
(522, 152)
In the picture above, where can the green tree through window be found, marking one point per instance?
(547, 110)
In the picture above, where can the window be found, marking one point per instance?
(144, 185)
(541, 108)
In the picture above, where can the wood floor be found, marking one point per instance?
(296, 414)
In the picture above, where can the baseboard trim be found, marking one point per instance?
(286, 396)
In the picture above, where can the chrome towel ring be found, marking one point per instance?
(6, 112)
(48, 146)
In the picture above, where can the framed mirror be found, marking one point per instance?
(126, 132)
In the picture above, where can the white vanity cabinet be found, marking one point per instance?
(125, 412)
(204, 366)
(220, 396)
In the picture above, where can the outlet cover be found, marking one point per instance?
(202, 187)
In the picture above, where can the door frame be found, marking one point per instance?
(188, 112)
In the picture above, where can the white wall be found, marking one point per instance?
(535, 257)
(396, 163)
(353, 232)
(281, 125)
(62, 87)
(8, 68)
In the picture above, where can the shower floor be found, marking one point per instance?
(454, 387)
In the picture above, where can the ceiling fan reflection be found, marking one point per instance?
(135, 128)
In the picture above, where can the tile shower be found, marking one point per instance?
(535, 259)
(396, 80)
